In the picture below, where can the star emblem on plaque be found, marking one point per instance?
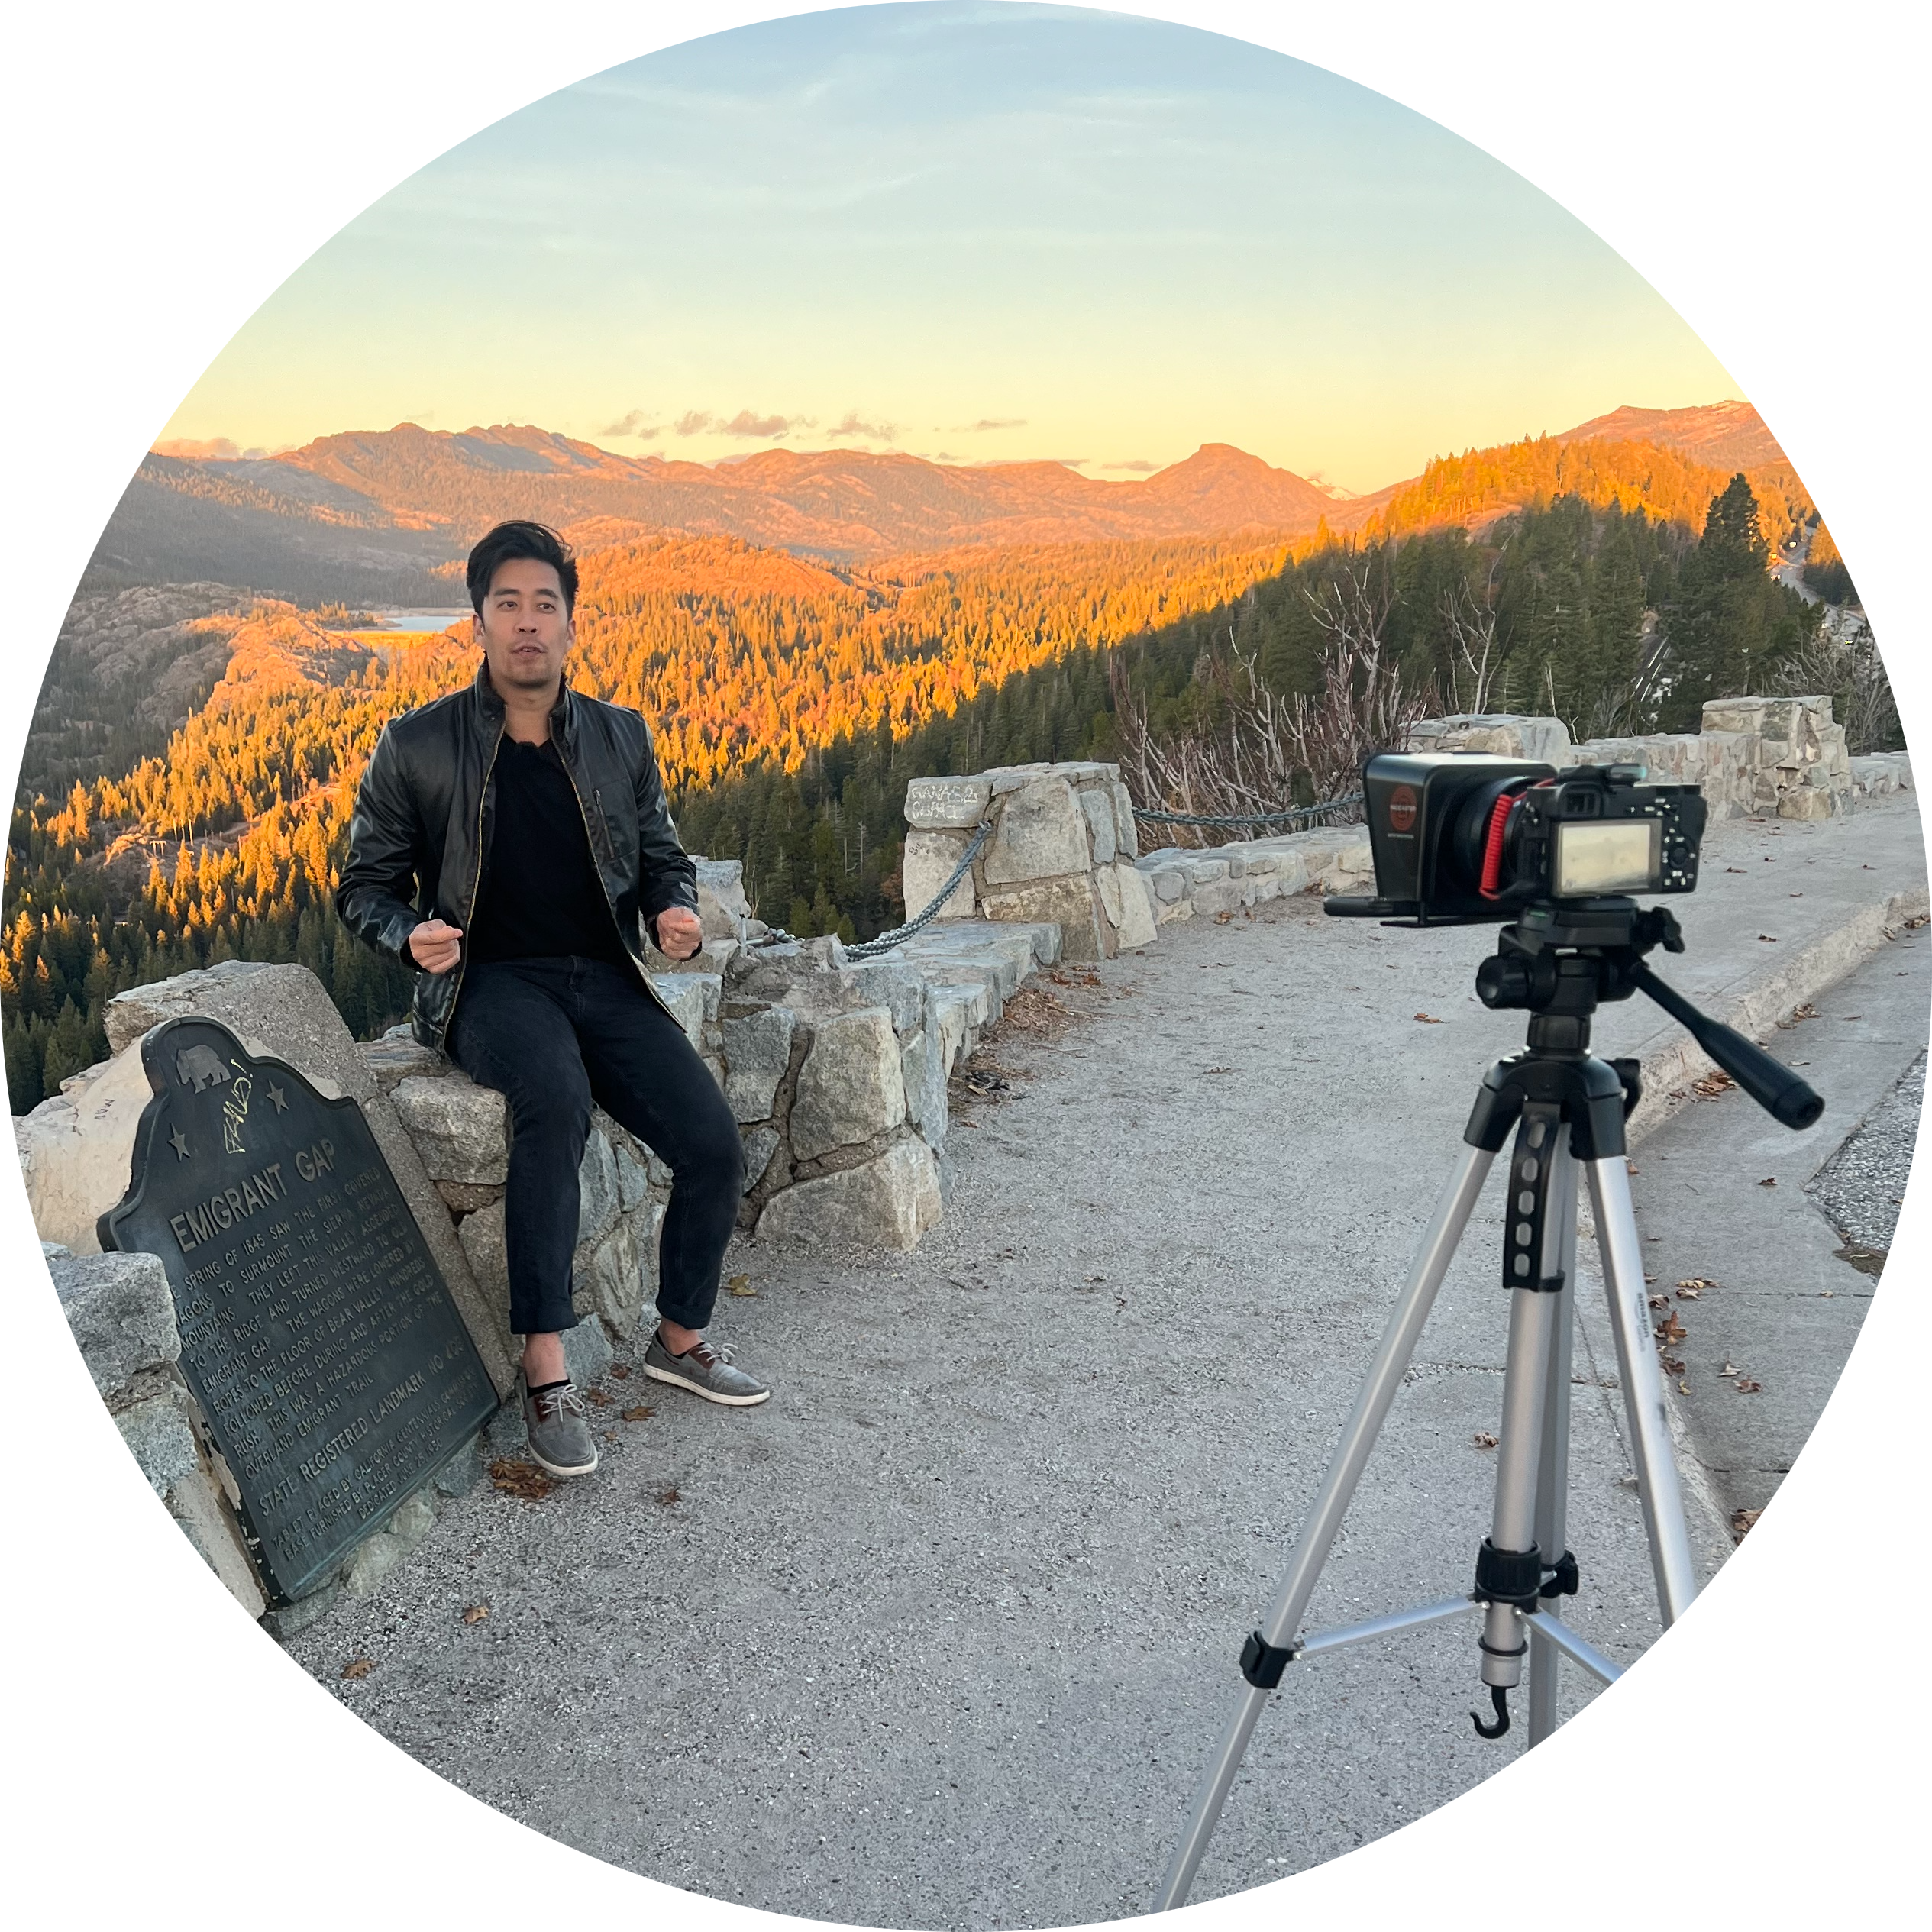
(317, 1333)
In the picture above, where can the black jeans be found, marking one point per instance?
(551, 1035)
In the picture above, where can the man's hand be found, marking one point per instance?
(679, 933)
(436, 945)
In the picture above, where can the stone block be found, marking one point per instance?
(941, 804)
(121, 1311)
(76, 1150)
(1137, 923)
(464, 1197)
(950, 1018)
(395, 1055)
(413, 1520)
(159, 1438)
(683, 996)
(1810, 802)
(1501, 733)
(481, 1235)
(760, 1144)
(1126, 833)
(722, 909)
(1170, 883)
(1108, 886)
(756, 1054)
(587, 1352)
(461, 1129)
(892, 981)
(922, 1067)
(372, 1563)
(633, 1179)
(197, 1507)
(930, 860)
(460, 1473)
(850, 1087)
(606, 1279)
(282, 1010)
(1098, 806)
(598, 1202)
(724, 879)
(1069, 903)
(889, 1201)
(1215, 896)
(1041, 833)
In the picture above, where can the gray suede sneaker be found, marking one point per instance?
(705, 1371)
(558, 1425)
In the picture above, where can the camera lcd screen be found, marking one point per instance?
(1619, 855)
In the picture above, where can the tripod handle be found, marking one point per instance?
(1790, 1101)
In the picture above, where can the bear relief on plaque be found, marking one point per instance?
(317, 1333)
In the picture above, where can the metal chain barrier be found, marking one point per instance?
(1233, 820)
(778, 936)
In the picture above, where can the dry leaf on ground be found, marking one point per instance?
(740, 1285)
(600, 1397)
(1689, 1291)
(618, 1372)
(1483, 1439)
(1748, 1385)
(475, 1613)
(1430, 1019)
(1716, 1082)
(642, 1412)
(1671, 1330)
(1741, 1521)
(667, 1495)
(524, 1479)
(359, 1668)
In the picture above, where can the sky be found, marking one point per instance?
(977, 233)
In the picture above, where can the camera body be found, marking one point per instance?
(1463, 838)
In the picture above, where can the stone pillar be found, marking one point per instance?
(1797, 761)
(1062, 850)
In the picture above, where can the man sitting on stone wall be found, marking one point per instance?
(510, 843)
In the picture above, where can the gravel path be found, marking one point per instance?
(941, 1636)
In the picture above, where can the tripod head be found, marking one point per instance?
(1560, 959)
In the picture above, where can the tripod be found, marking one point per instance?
(1559, 959)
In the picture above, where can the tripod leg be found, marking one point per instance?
(1553, 1467)
(1644, 1386)
(1324, 1518)
(1535, 1316)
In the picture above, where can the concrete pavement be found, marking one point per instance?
(942, 1635)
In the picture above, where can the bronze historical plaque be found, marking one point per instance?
(317, 1333)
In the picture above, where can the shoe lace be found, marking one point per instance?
(554, 1403)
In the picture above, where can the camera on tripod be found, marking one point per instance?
(1461, 838)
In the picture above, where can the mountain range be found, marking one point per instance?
(382, 516)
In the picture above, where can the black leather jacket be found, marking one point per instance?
(422, 828)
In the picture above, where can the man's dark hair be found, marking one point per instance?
(506, 543)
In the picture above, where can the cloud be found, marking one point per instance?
(1140, 464)
(854, 425)
(988, 422)
(746, 424)
(634, 424)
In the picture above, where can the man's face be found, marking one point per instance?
(524, 630)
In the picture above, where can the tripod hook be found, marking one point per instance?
(1499, 1699)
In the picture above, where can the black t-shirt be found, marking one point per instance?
(541, 897)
